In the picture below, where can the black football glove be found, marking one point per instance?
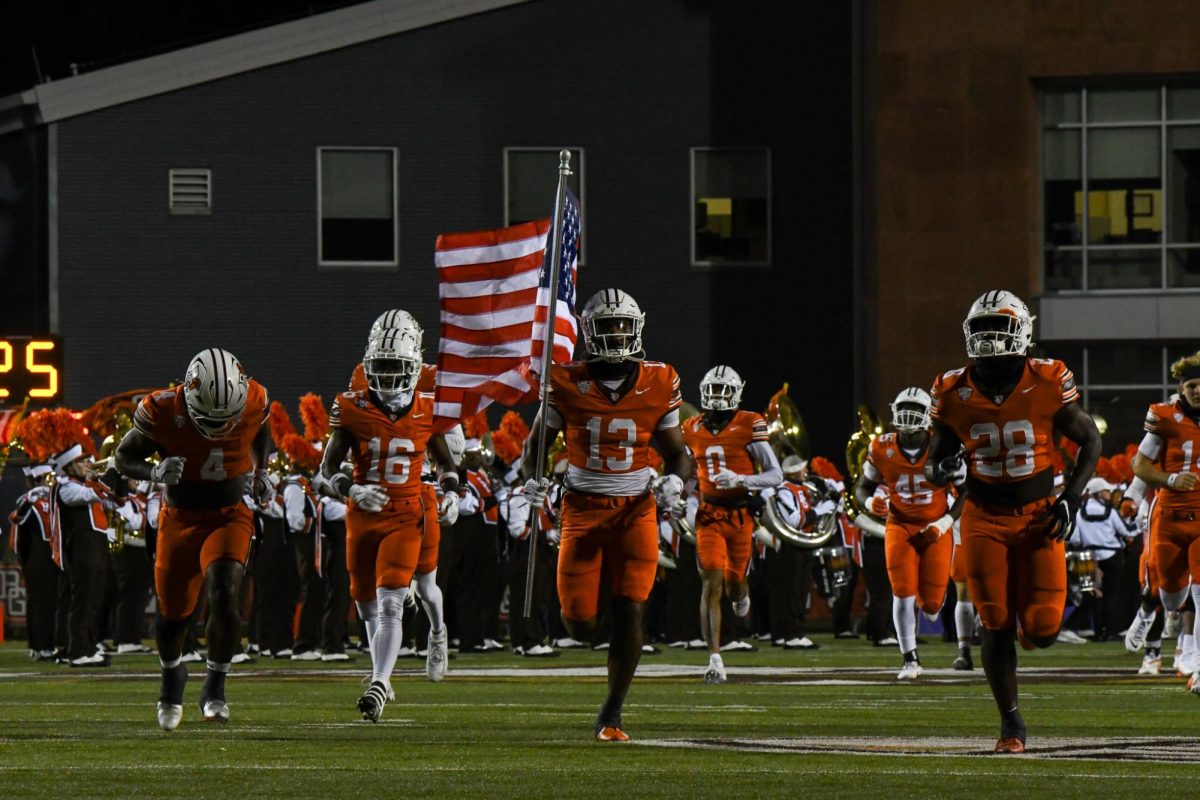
(1062, 518)
(949, 468)
(755, 504)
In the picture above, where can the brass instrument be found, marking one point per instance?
(788, 436)
(107, 463)
(857, 449)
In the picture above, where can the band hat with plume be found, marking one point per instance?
(793, 464)
(67, 457)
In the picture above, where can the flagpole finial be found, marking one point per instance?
(564, 162)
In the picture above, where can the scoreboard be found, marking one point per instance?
(30, 366)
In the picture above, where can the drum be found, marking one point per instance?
(832, 569)
(1081, 571)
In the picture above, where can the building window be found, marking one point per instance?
(531, 181)
(1121, 188)
(1119, 381)
(731, 206)
(356, 206)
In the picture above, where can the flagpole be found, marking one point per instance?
(554, 254)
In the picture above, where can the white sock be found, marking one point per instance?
(390, 635)
(1147, 616)
(368, 612)
(215, 667)
(1172, 600)
(904, 616)
(964, 621)
(430, 595)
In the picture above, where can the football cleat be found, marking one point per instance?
(1172, 625)
(1193, 684)
(910, 671)
(334, 657)
(611, 733)
(715, 673)
(372, 702)
(1135, 637)
(214, 710)
(741, 608)
(436, 659)
(1186, 664)
(169, 715)
(964, 661)
(1151, 665)
(1010, 744)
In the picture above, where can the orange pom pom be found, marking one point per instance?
(280, 423)
(314, 416)
(505, 447)
(475, 427)
(515, 427)
(825, 468)
(44, 433)
(301, 452)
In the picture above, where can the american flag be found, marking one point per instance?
(566, 329)
(494, 291)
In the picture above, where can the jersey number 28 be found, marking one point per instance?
(1004, 453)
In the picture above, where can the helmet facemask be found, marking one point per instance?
(999, 334)
(393, 367)
(716, 396)
(910, 417)
(614, 337)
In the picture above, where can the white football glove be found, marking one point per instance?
(728, 479)
(669, 490)
(368, 497)
(448, 510)
(261, 488)
(536, 490)
(553, 536)
(168, 471)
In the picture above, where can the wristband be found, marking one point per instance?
(1171, 479)
(448, 481)
(340, 482)
(943, 524)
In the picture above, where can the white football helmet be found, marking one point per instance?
(998, 324)
(910, 410)
(721, 389)
(214, 391)
(612, 326)
(392, 363)
(397, 319)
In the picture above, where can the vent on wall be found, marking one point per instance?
(191, 191)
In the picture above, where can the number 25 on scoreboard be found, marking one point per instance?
(30, 367)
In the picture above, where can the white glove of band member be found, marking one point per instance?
(536, 490)
(553, 536)
(728, 479)
(261, 488)
(669, 490)
(168, 471)
(448, 510)
(368, 497)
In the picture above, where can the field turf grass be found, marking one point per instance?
(294, 732)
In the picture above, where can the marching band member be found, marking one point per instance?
(131, 568)
(1098, 528)
(919, 516)
(733, 458)
(790, 566)
(31, 522)
(608, 408)
(302, 511)
(1000, 415)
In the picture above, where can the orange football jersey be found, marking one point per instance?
(1006, 439)
(162, 416)
(1181, 447)
(728, 448)
(386, 451)
(608, 435)
(425, 383)
(911, 499)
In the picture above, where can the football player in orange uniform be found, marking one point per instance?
(733, 457)
(399, 321)
(1173, 441)
(609, 408)
(919, 516)
(1000, 415)
(392, 525)
(213, 443)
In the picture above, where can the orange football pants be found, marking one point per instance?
(916, 570)
(723, 540)
(618, 534)
(384, 549)
(189, 541)
(1175, 534)
(958, 564)
(1015, 572)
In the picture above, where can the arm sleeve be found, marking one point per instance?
(132, 514)
(517, 516)
(764, 457)
(293, 506)
(334, 510)
(1136, 491)
(669, 420)
(871, 473)
(73, 493)
(1151, 446)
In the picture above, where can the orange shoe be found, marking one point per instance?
(1010, 745)
(610, 733)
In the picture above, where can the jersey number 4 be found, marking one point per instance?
(394, 465)
(1004, 453)
(213, 468)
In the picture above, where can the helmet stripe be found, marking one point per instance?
(217, 370)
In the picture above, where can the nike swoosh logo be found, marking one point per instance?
(1028, 389)
(417, 416)
(642, 391)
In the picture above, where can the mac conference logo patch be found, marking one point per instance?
(584, 386)
(964, 393)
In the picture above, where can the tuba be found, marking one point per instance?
(857, 449)
(788, 435)
(679, 523)
(107, 464)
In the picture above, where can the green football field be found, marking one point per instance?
(830, 723)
